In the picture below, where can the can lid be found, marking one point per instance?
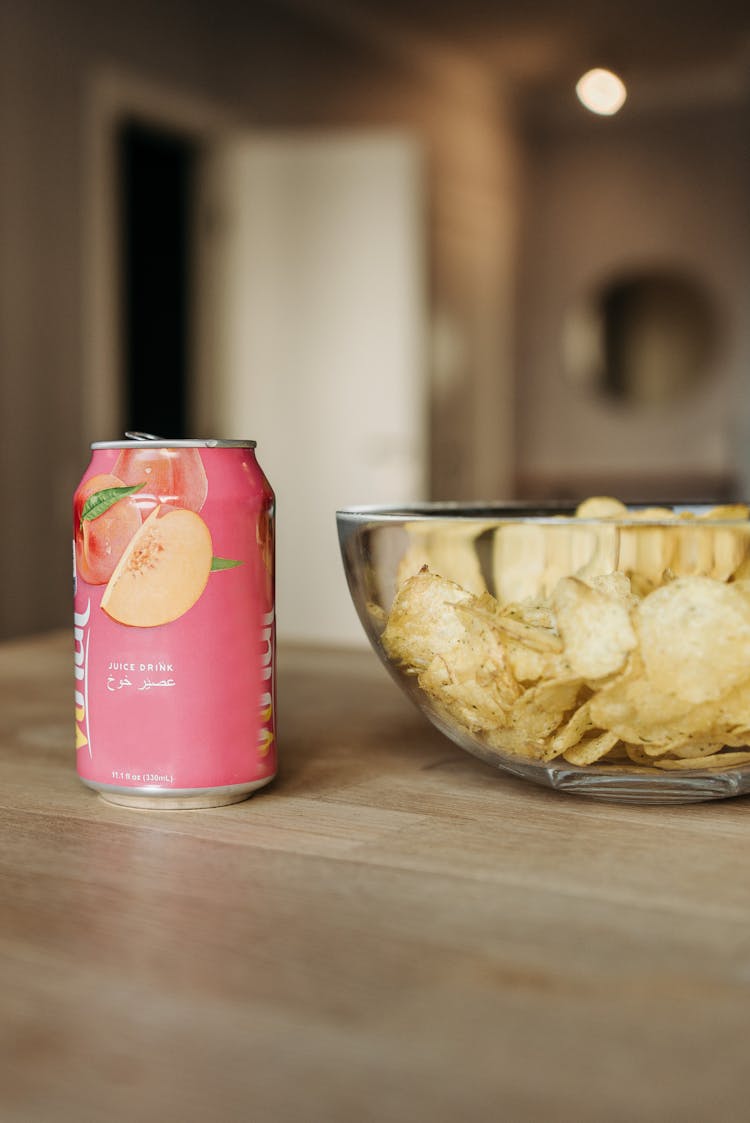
(137, 439)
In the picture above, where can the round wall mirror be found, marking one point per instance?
(642, 338)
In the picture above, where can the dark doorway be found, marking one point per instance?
(156, 169)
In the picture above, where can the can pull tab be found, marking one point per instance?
(137, 436)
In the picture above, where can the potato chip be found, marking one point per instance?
(515, 743)
(633, 708)
(731, 552)
(718, 760)
(479, 705)
(536, 612)
(449, 551)
(695, 638)
(558, 556)
(532, 651)
(595, 628)
(731, 547)
(638, 756)
(471, 676)
(422, 622)
(518, 561)
(569, 735)
(652, 514)
(580, 551)
(482, 656)
(529, 664)
(591, 749)
(737, 738)
(646, 553)
(727, 511)
(538, 639)
(541, 709)
(695, 747)
(594, 551)
(601, 507)
(731, 712)
(616, 585)
(694, 548)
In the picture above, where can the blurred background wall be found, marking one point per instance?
(663, 190)
(523, 210)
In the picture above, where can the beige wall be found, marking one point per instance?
(269, 68)
(668, 189)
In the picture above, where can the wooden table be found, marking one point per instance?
(391, 932)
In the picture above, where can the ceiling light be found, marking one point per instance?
(601, 91)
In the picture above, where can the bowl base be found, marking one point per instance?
(626, 786)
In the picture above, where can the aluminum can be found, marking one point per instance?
(174, 626)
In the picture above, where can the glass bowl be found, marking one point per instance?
(603, 651)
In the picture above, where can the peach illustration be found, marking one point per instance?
(163, 571)
(170, 475)
(100, 541)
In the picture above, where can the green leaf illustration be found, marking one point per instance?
(101, 501)
(223, 563)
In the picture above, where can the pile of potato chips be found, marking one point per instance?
(647, 662)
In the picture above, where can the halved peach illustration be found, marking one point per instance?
(169, 475)
(163, 571)
(102, 531)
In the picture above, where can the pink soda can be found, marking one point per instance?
(174, 628)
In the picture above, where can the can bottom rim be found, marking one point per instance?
(180, 799)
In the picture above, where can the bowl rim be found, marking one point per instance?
(547, 513)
